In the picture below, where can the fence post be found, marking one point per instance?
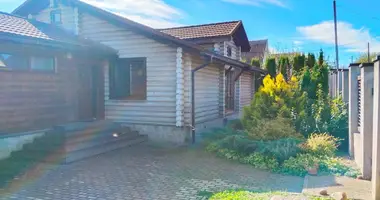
(345, 85)
(376, 132)
(353, 73)
(366, 118)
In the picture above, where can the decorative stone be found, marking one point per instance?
(339, 196)
(323, 192)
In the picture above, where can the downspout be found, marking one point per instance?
(193, 97)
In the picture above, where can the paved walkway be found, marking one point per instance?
(147, 172)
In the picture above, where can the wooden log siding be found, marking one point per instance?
(160, 106)
(69, 17)
(207, 90)
(245, 89)
(32, 100)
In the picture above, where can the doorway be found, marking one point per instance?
(91, 93)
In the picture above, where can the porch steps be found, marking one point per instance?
(82, 140)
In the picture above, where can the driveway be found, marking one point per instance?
(145, 172)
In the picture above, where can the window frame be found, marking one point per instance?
(112, 88)
(53, 19)
(229, 51)
(29, 63)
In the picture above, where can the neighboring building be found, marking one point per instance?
(259, 49)
(144, 78)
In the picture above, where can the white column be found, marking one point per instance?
(180, 104)
(376, 133)
(353, 73)
(366, 118)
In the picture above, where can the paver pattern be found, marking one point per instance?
(149, 172)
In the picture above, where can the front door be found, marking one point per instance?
(90, 90)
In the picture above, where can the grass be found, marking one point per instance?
(31, 154)
(252, 195)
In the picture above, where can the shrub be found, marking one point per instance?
(217, 134)
(281, 149)
(297, 165)
(237, 143)
(261, 161)
(273, 129)
(235, 124)
(336, 166)
(321, 145)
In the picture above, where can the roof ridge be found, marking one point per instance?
(199, 25)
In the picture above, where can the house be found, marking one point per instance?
(259, 49)
(167, 84)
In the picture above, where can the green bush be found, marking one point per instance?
(274, 129)
(297, 165)
(261, 161)
(336, 166)
(235, 124)
(239, 143)
(321, 145)
(218, 134)
(281, 149)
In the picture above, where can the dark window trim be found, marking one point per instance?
(52, 17)
(29, 67)
(112, 83)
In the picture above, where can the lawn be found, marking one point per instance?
(251, 195)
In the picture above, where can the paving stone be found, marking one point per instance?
(148, 172)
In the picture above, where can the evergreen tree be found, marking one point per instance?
(270, 65)
(321, 58)
(310, 60)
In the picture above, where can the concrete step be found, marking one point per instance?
(98, 141)
(77, 128)
(96, 150)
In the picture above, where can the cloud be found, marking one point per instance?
(153, 13)
(257, 2)
(353, 39)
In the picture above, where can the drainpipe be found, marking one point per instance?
(193, 97)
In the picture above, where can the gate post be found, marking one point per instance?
(366, 118)
(353, 74)
(376, 132)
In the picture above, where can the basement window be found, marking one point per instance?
(128, 79)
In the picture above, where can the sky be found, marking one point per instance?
(289, 25)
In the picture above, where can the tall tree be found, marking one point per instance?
(363, 58)
(310, 60)
(298, 62)
(320, 58)
(270, 65)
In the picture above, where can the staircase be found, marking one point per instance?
(80, 140)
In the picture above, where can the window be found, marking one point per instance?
(229, 51)
(14, 61)
(27, 63)
(55, 17)
(42, 64)
(128, 79)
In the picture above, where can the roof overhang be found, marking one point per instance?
(240, 38)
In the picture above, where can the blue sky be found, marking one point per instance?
(290, 25)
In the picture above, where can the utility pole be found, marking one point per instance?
(336, 49)
(369, 54)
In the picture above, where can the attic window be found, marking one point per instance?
(229, 51)
(55, 17)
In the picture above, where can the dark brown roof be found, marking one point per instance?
(233, 29)
(32, 6)
(24, 30)
(258, 50)
(203, 30)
